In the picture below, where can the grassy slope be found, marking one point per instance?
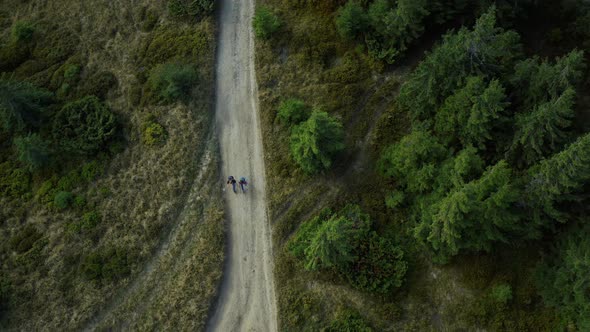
(307, 59)
(143, 190)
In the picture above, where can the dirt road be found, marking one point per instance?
(247, 300)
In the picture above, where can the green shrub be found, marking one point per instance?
(351, 20)
(265, 23)
(14, 182)
(80, 202)
(380, 266)
(196, 8)
(562, 279)
(84, 126)
(316, 141)
(109, 264)
(173, 81)
(24, 240)
(63, 200)
(90, 220)
(22, 31)
(99, 84)
(154, 133)
(92, 170)
(21, 105)
(5, 287)
(32, 151)
(348, 321)
(293, 111)
(69, 181)
(46, 192)
(501, 293)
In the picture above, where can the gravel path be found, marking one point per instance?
(247, 298)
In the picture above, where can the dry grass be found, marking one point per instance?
(149, 199)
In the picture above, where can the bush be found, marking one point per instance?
(84, 126)
(348, 321)
(92, 170)
(22, 31)
(329, 240)
(351, 20)
(63, 200)
(24, 240)
(99, 84)
(293, 111)
(109, 264)
(316, 141)
(265, 23)
(90, 220)
(173, 81)
(14, 182)
(32, 151)
(21, 105)
(380, 266)
(562, 279)
(501, 293)
(154, 133)
(196, 8)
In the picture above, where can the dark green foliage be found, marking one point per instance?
(173, 81)
(24, 240)
(265, 23)
(329, 241)
(14, 182)
(380, 266)
(33, 151)
(543, 130)
(315, 142)
(394, 27)
(343, 241)
(106, 265)
(90, 220)
(485, 50)
(472, 217)
(91, 170)
(21, 104)
(194, 8)
(471, 113)
(99, 84)
(22, 31)
(351, 20)
(84, 126)
(413, 161)
(348, 321)
(538, 82)
(556, 179)
(563, 278)
(63, 200)
(501, 293)
(5, 288)
(293, 111)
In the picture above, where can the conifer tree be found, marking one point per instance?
(33, 151)
(316, 141)
(556, 179)
(544, 129)
(473, 216)
(21, 104)
(413, 161)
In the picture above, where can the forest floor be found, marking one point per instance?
(247, 301)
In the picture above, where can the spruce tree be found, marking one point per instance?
(543, 130)
(315, 142)
(21, 104)
(557, 179)
(413, 161)
(32, 151)
(473, 216)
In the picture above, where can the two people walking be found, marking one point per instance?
(243, 183)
